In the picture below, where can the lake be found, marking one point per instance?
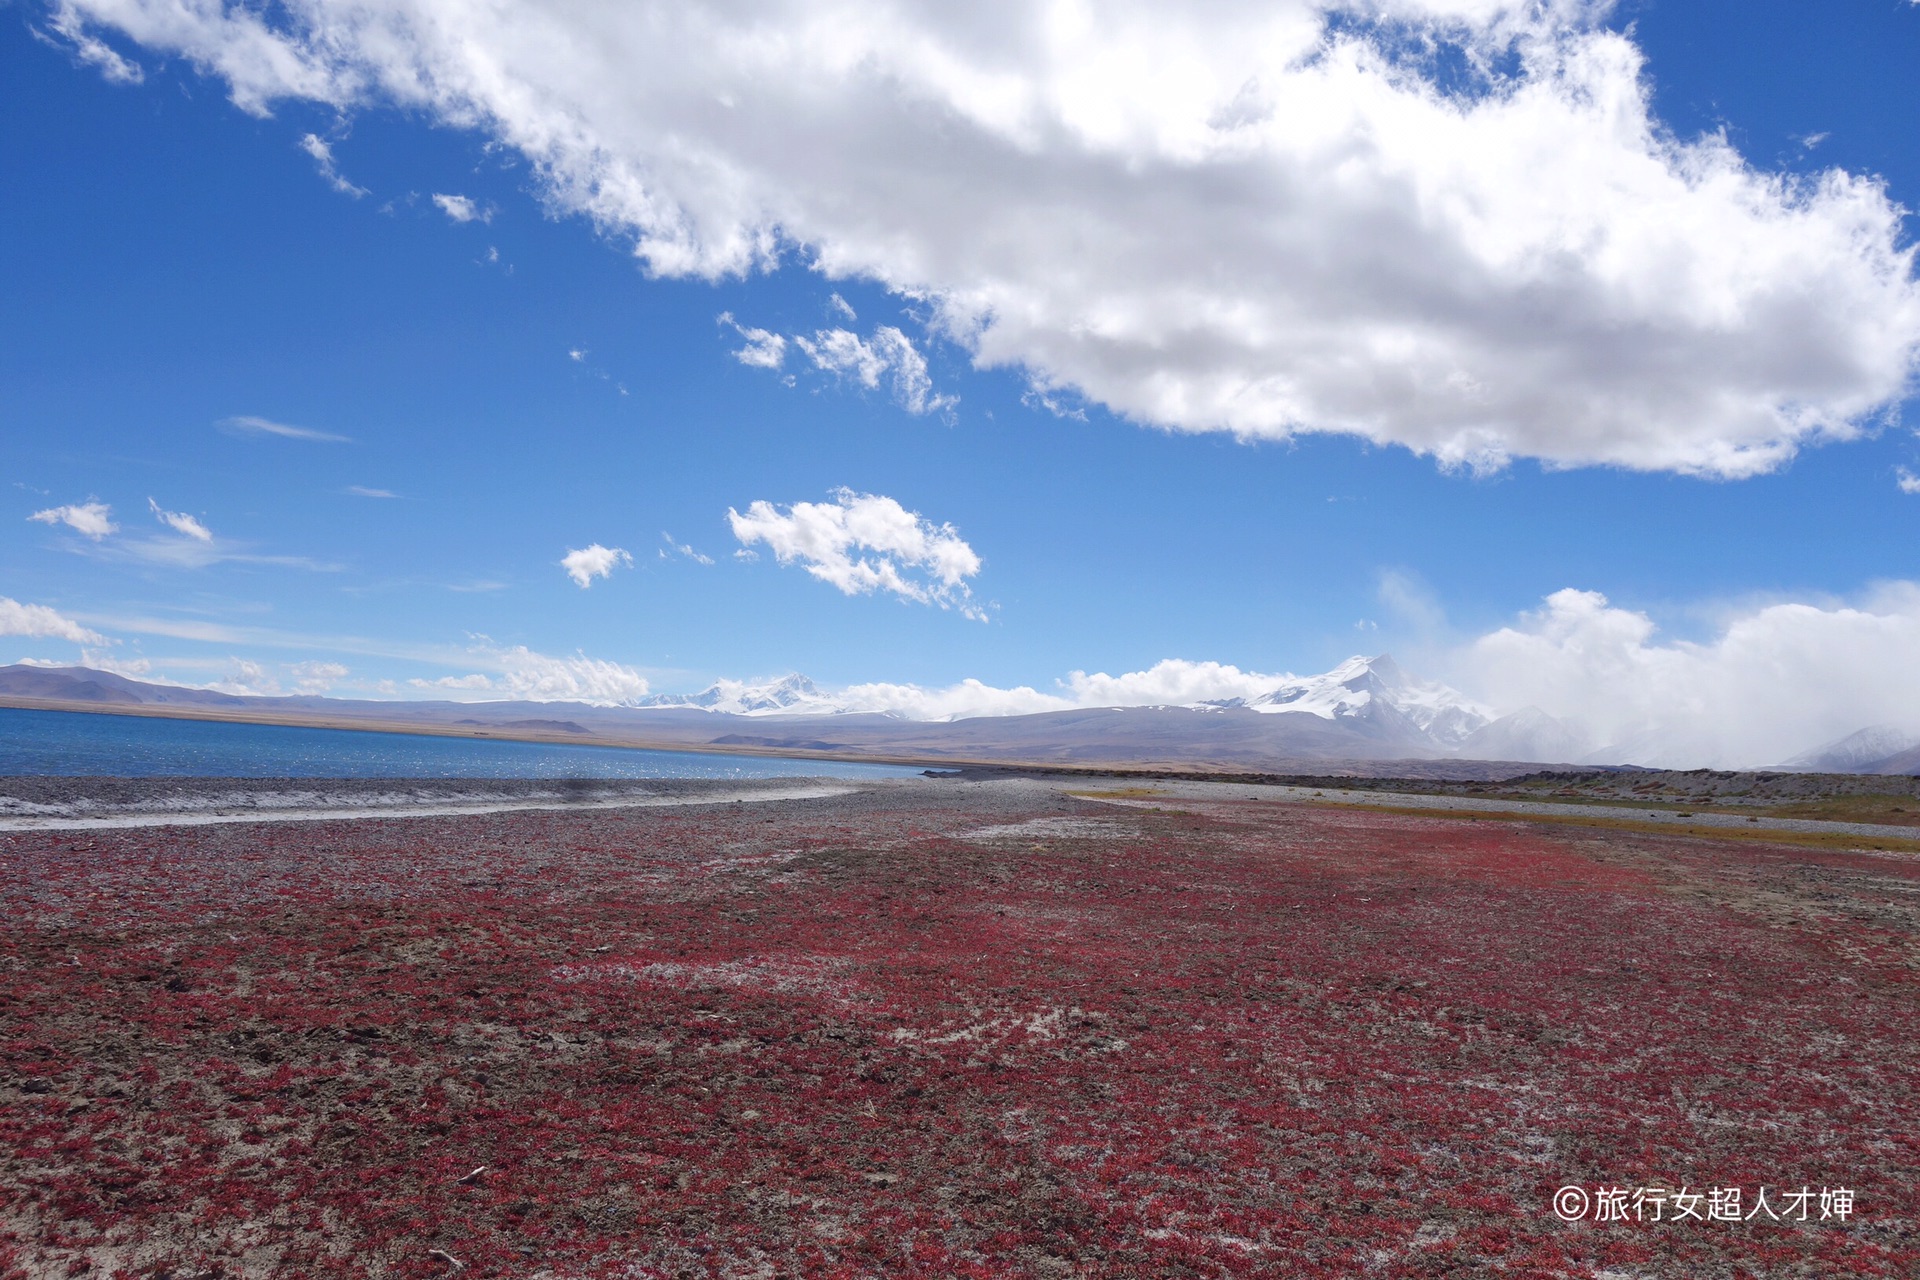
(88, 744)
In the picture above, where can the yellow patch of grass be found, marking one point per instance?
(1753, 835)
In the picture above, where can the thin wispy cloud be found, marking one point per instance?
(91, 50)
(765, 349)
(322, 152)
(180, 522)
(887, 355)
(362, 491)
(681, 549)
(248, 425)
(90, 519)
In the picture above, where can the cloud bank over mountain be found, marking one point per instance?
(1580, 680)
(1260, 218)
(1773, 681)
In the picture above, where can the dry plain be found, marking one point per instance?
(948, 1027)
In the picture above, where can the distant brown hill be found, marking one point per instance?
(1230, 739)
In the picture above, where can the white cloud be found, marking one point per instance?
(1907, 480)
(322, 152)
(839, 306)
(594, 561)
(683, 549)
(180, 522)
(476, 682)
(39, 621)
(1169, 682)
(1257, 216)
(520, 673)
(247, 679)
(132, 668)
(765, 349)
(889, 353)
(315, 678)
(954, 702)
(91, 519)
(1775, 681)
(362, 491)
(862, 542)
(92, 50)
(462, 208)
(247, 424)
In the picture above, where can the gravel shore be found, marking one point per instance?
(73, 804)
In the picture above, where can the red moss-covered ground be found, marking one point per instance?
(850, 1038)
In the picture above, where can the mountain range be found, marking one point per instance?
(1361, 714)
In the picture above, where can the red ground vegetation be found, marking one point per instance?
(849, 1039)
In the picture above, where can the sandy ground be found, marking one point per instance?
(73, 804)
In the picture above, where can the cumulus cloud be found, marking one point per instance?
(1775, 681)
(1452, 225)
(322, 152)
(247, 679)
(960, 701)
(180, 522)
(593, 561)
(462, 208)
(248, 425)
(41, 622)
(520, 673)
(132, 668)
(90, 519)
(1171, 682)
(1907, 480)
(861, 543)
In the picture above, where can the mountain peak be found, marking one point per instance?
(793, 694)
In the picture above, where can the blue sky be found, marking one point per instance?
(178, 262)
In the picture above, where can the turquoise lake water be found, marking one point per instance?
(85, 744)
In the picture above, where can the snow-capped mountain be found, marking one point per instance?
(1526, 734)
(1861, 750)
(1370, 698)
(793, 695)
(1376, 688)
